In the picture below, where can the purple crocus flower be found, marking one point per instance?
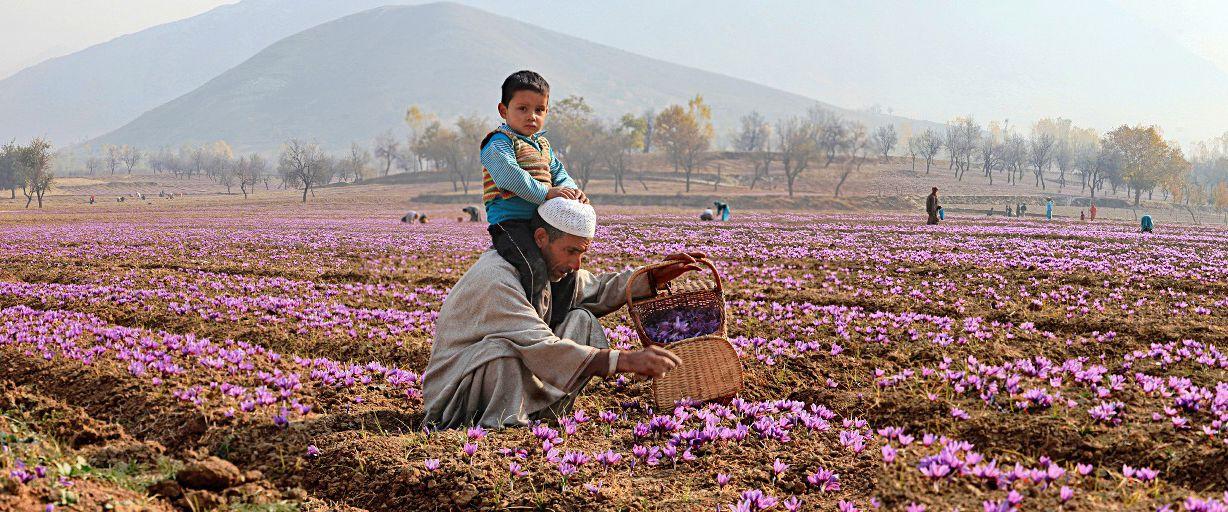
(888, 454)
(1066, 493)
(476, 433)
(778, 468)
(593, 489)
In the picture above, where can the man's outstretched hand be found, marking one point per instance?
(652, 361)
(679, 263)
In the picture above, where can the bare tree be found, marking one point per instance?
(199, 161)
(1097, 163)
(753, 134)
(931, 144)
(302, 165)
(216, 159)
(1041, 152)
(831, 132)
(620, 141)
(356, 164)
(130, 156)
(157, 161)
(797, 145)
(857, 149)
(963, 138)
(991, 156)
(884, 139)
(386, 150)
(114, 155)
(914, 147)
(762, 161)
(251, 170)
(93, 164)
(229, 175)
(950, 141)
(1063, 157)
(1014, 157)
(755, 139)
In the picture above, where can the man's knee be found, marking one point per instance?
(581, 316)
(583, 327)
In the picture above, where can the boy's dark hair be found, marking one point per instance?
(552, 232)
(524, 81)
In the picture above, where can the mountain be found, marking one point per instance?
(351, 79)
(1090, 61)
(93, 91)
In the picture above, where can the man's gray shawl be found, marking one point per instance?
(486, 318)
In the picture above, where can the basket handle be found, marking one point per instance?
(716, 276)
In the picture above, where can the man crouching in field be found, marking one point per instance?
(499, 361)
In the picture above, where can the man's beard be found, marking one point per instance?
(560, 277)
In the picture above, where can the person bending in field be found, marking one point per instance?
(498, 361)
(519, 173)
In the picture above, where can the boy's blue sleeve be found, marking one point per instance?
(558, 174)
(500, 160)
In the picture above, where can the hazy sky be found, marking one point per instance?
(788, 45)
(32, 31)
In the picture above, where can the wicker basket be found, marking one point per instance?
(710, 368)
(694, 297)
(710, 371)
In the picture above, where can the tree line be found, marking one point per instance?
(802, 142)
(1136, 159)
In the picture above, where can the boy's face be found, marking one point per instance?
(526, 113)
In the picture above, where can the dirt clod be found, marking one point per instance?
(168, 489)
(212, 474)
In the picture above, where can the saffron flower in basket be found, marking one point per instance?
(679, 324)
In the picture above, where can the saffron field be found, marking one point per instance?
(985, 364)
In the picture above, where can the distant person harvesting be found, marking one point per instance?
(1049, 208)
(519, 173)
(931, 206)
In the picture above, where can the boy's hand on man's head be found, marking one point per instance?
(569, 193)
(554, 192)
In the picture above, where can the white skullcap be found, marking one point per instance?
(569, 216)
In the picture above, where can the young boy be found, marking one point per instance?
(519, 173)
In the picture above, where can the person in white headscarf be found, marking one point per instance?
(499, 360)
